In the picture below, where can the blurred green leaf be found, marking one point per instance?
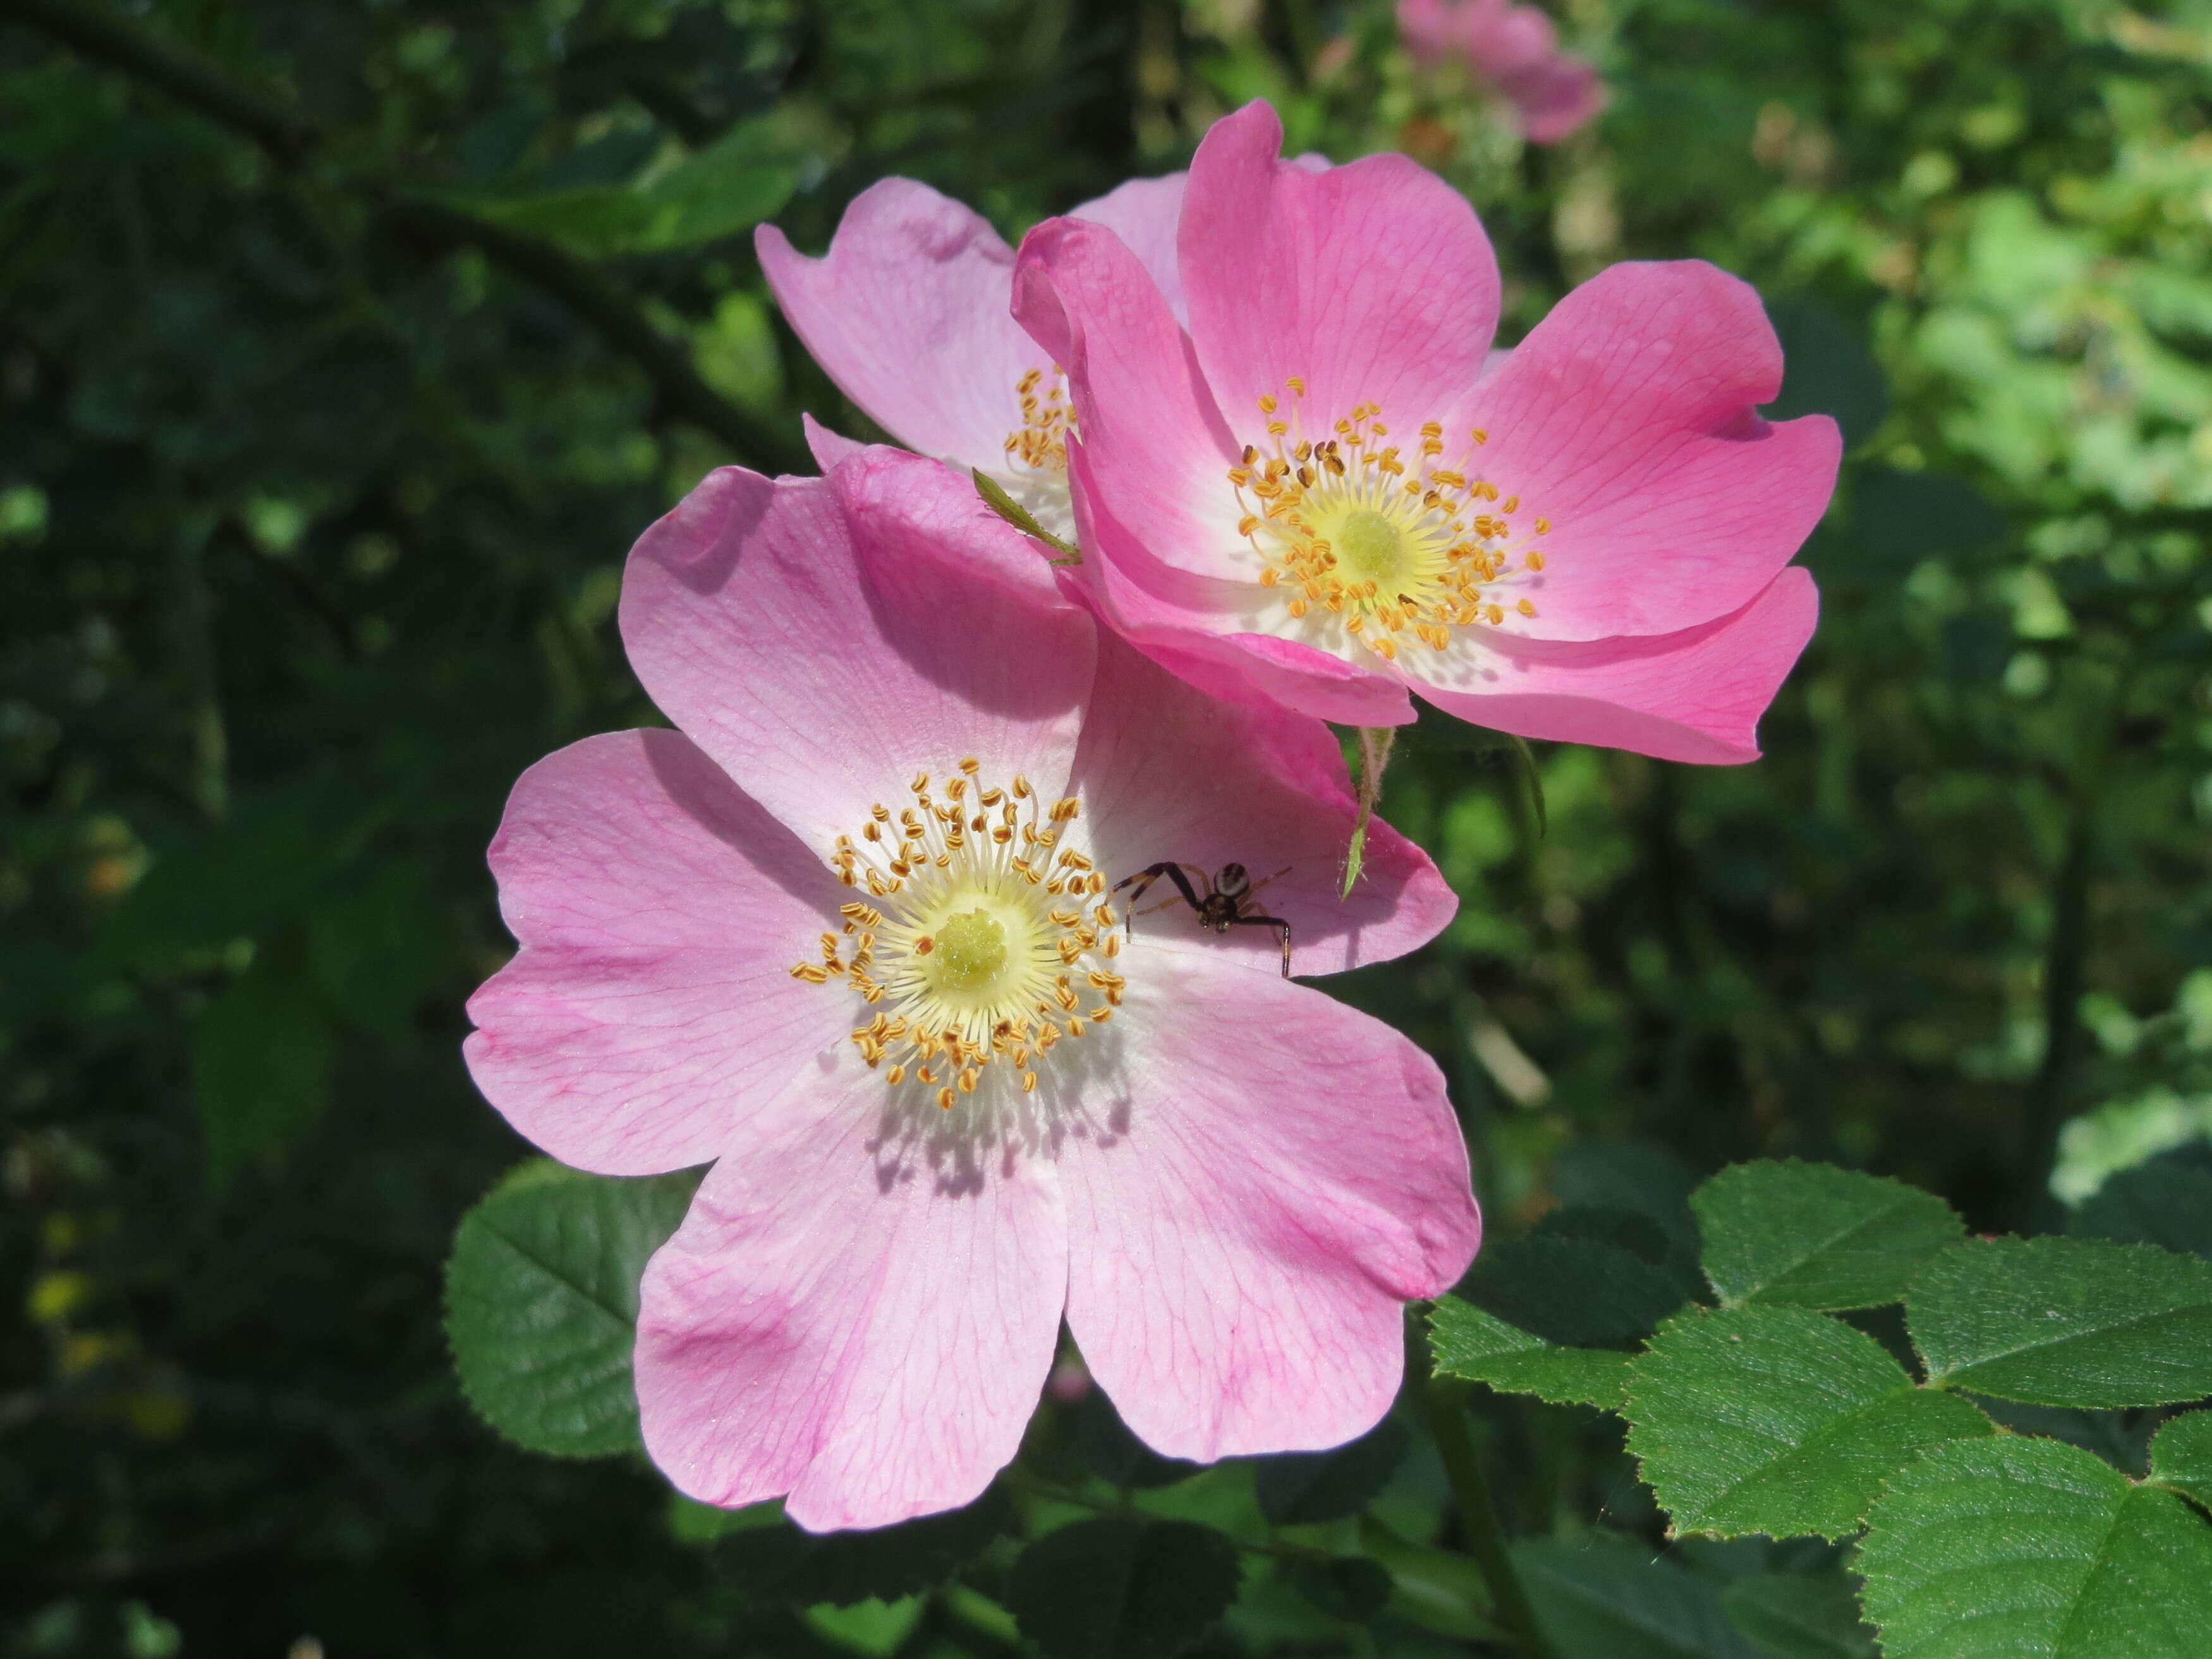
(875, 1628)
(1439, 1590)
(1778, 1420)
(1345, 1586)
(783, 1563)
(1606, 1597)
(1579, 1293)
(1482, 1347)
(2165, 1202)
(1303, 1488)
(2066, 1322)
(261, 1064)
(1812, 1236)
(741, 179)
(2181, 1456)
(1790, 1616)
(1115, 1455)
(541, 1303)
(280, 845)
(1827, 369)
(376, 948)
(1117, 1588)
(2028, 1547)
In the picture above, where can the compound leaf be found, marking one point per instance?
(1483, 1348)
(2181, 1456)
(2034, 1549)
(1778, 1420)
(2067, 1322)
(1812, 1236)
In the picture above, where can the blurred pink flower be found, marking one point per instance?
(850, 931)
(1513, 48)
(1316, 495)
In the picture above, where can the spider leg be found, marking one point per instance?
(1264, 880)
(1271, 921)
(1144, 879)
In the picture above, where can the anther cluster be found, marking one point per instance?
(1397, 548)
(983, 940)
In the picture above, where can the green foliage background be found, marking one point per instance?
(346, 347)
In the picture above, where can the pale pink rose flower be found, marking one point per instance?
(1515, 49)
(1314, 495)
(907, 312)
(850, 933)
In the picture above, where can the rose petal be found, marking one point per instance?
(1696, 695)
(1155, 442)
(659, 912)
(821, 674)
(860, 1322)
(1143, 213)
(1626, 419)
(1372, 282)
(895, 498)
(907, 312)
(1276, 1175)
(1275, 798)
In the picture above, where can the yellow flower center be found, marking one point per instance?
(981, 940)
(1389, 548)
(970, 956)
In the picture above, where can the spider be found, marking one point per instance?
(1221, 907)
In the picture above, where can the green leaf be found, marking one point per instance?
(874, 1628)
(1119, 1588)
(781, 1562)
(1812, 1236)
(1304, 1488)
(2032, 1549)
(1603, 1597)
(261, 1064)
(1440, 1591)
(2067, 1322)
(1483, 1348)
(254, 873)
(541, 1303)
(2181, 1456)
(1790, 1616)
(1579, 1293)
(1778, 1420)
(742, 177)
(2163, 1202)
(1344, 1587)
(375, 948)
(1117, 1457)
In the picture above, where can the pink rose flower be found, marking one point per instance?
(907, 312)
(853, 931)
(1314, 496)
(1515, 49)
